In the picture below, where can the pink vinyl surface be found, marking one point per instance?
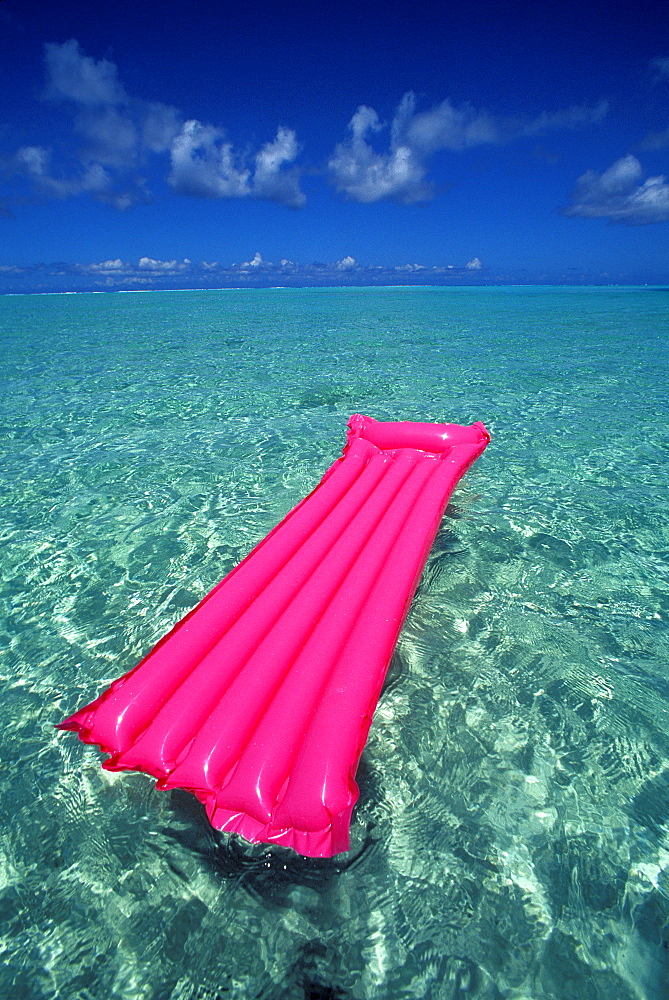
(260, 700)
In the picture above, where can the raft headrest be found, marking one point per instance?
(389, 435)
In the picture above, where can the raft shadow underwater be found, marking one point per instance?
(268, 874)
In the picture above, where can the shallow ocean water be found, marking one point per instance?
(512, 834)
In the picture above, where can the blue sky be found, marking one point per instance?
(199, 143)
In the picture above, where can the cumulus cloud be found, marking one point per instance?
(270, 180)
(147, 271)
(445, 127)
(118, 131)
(367, 176)
(474, 265)
(34, 164)
(621, 194)
(152, 272)
(363, 174)
(120, 136)
(159, 124)
(112, 138)
(205, 164)
(107, 266)
(72, 76)
(256, 261)
(162, 266)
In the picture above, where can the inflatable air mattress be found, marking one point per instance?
(260, 700)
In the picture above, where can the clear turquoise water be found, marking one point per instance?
(512, 837)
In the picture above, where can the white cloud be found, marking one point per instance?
(72, 76)
(107, 266)
(256, 262)
(447, 127)
(122, 136)
(367, 176)
(119, 132)
(146, 267)
(151, 272)
(149, 264)
(162, 266)
(34, 163)
(158, 127)
(204, 165)
(113, 138)
(548, 121)
(269, 180)
(474, 265)
(456, 128)
(363, 174)
(119, 128)
(620, 194)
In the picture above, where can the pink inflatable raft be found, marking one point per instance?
(259, 701)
